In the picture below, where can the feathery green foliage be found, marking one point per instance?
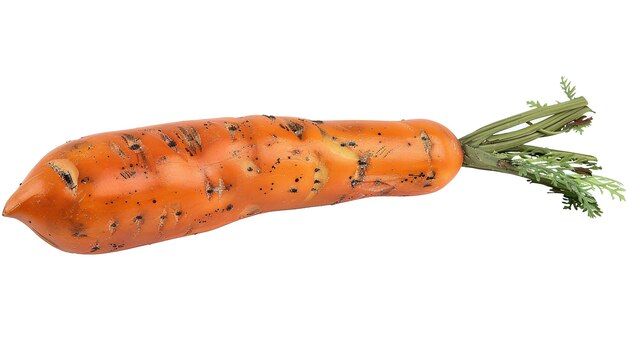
(570, 174)
(568, 88)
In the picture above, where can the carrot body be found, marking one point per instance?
(124, 189)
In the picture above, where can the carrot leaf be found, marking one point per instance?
(502, 146)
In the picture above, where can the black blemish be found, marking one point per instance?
(154, 201)
(168, 141)
(132, 142)
(232, 127)
(249, 169)
(196, 137)
(317, 181)
(362, 162)
(427, 144)
(427, 185)
(355, 182)
(431, 175)
(349, 143)
(296, 128)
(116, 246)
(79, 234)
(138, 218)
(179, 213)
(293, 190)
(85, 180)
(316, 170)
(379, 133)
(270, 117)
(229, 207)
(192, 138)
(95, 247)
(65, 175)
(126, 174)
(67, 178)
(341, 198)
(318, 122)
(297, 180)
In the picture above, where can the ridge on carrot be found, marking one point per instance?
(117, 190)
(571, 174)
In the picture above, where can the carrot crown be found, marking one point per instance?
(501, 147)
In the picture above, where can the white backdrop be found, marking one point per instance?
(488, 263)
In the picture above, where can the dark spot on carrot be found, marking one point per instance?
(178, 213)
(341, 198)
(431, 175)
(318, 122)
(293, 190)
(316, 170)
(85, 180)
(154, 201)
(95, 247)
(270, 117)
(138, 218)
(296, 128)
(379, 133)
(427, 144)
(249, 169)
(355, 182)
(65, 175)
(229, 207)
(427, 185)
(317, 181)
(132, 142)
(297, 180)
(126, 174)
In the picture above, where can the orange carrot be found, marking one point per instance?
(124, 189)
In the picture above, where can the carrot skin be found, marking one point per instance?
(118, 190)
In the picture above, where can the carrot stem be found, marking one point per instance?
(495, 148)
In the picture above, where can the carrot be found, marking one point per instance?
(124, 189)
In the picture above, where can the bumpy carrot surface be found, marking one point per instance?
(119, 190)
